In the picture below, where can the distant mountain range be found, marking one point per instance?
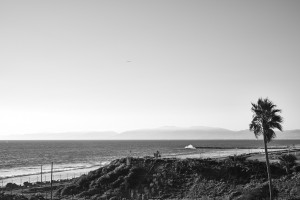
(199, 133)
(163, 133)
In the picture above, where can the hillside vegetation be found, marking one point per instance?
(144, 178)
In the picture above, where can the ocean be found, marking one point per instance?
(23, 161)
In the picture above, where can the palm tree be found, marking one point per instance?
(265, 119)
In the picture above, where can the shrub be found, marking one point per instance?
(27, 184)
(11, 186)
(70, 190)
(287, 161)
(37, 197)
(83, 181)
(259, 193)
(135, 176)
(238, 158)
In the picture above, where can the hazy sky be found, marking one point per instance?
(120, 65)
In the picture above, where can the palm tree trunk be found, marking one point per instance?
(268, 168)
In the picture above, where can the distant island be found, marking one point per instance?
(163, 133)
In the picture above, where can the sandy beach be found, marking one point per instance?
(252, 154)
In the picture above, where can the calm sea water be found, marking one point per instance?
(71, 158)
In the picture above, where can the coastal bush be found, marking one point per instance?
(83, 182)
(296, 168)
(295, 191)
(173, 177)
(135, 177)
(118, 182)
(98, 181)
(112, 176)
(20, 197)
(259, 193)
(287, 161)
(91, 192)
(11, 186)
(119, 171)
(83, 194)
(109, 168)
(27, 184)
(93, 174)
(37, 197)
(103, 180)
(12, 197)
(238, 158)
(277, 170)
(70, 190)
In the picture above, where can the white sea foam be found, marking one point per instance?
(60, 172)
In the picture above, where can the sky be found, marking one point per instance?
(120, 65)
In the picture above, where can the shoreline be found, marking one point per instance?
(219, 164)
(233, 152)
(165, 178)
(46, 175)
(251, 154)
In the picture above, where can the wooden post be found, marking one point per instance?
(41, 174)
(11, 187)
(51, 177)
(21, 186)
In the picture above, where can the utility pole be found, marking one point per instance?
(41, 174)
(51, 177)
(21, 185)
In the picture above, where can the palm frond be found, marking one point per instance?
(270, 134)
(274, 111)
(256, 127)
(277, 119)
(275, 125)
